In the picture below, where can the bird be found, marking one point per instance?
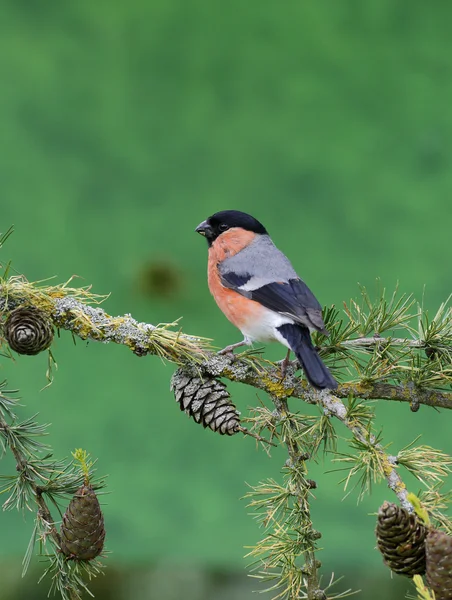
(258, 290)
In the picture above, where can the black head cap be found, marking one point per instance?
(226, 219)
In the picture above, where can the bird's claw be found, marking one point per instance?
(284, 364)
(227, 350)
(230, 349)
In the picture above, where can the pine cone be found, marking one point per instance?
(28, 330)
(82, 529)
(207, 401)
(401, 540)
(438, 547)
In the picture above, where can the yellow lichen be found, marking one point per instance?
(360, 388)
(229, 374)
(277, 388)
(400, 486)
(388, 468)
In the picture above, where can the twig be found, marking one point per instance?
(257, 437)
(338, 409)
(22, 467)
(269, 380)
(310, 569)
(369, 342)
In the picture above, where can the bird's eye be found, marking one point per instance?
(223, 227)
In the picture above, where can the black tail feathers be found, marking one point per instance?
(299, 340)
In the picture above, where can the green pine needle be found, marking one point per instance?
(424, 462)
(365, 467)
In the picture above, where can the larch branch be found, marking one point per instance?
(93, 323)
(24, 471)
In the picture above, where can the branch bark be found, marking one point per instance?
(142, 338)
(94, 323)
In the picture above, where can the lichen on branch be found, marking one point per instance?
(411, 369)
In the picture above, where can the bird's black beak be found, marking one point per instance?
(204, 229)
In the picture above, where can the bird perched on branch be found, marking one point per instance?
(258, 290)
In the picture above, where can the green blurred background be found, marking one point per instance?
(123, 125)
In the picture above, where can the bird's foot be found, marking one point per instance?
(230, 349)
(284, 364)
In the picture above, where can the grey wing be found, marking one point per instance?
(262, 273)
(261, 262)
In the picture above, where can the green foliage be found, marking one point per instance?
(427, 464)
(375, 317)
(365, 463)
(286, 557)
(41, 479)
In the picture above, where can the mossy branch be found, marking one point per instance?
(72, 309)
(386, 368)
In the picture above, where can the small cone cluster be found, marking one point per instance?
(28, 330)
(438, 547)
(82, 530)
(401, 540)
(207, 401)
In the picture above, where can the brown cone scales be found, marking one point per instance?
(82, 529)
(28, 330)
(438, 546)
(401, 540)
(207, 401)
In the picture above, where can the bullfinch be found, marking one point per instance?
(258, 290)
